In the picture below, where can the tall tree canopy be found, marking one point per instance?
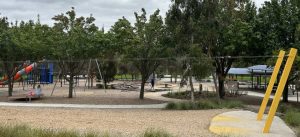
(149, 47)
(73, 42)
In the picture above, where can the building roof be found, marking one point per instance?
(261, 69)
(257, 69)
(239, 71)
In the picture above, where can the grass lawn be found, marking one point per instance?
(291, 116)
(26, 131)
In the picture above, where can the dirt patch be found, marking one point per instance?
(97, 101)
(82, 96)
(126, 122)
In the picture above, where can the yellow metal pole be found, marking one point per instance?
(282, 82)
(270, 86)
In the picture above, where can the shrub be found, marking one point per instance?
(204, 104)
(232, 104)
(171, 105)
(155, 133)
(183, 106)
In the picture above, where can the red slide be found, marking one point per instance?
(23, 71)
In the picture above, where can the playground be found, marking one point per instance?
(93, 100)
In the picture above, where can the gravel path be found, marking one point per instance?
(126, 122)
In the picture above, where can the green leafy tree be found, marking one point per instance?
(183, 31)
(123, 36)
(221, 28)
(148, 46)
(33, 38)
(277, 23)
(73, 42)
(108, 51)
(10, 55)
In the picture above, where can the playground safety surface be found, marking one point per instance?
(119, 122)
(244, 124)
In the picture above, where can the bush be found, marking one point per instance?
(207, 104)
(292, 118)
(232, 104)
(204, 104)
(186, 95)
(155, 133)
(171, 105)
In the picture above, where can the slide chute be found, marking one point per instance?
(23, 71)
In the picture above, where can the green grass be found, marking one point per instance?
(292, 118)
(204, 104)
(291, 115)
(298, 131)
(25, 131)
(156, 133)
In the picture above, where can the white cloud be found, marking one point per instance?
(260, 2)
(106, 12)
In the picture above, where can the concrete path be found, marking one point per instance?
(150, 106)
(158, 96)
(291, 97)
(244, 124)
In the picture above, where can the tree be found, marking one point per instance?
(122, 35)
(148, 48)
(183, 31)
(277, 23)
(226, 31)
(11, 53)
(72, 43)
(221, 28)
(107, 52)
(33, 38)
(200, 66)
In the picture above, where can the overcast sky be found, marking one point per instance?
(106, 12)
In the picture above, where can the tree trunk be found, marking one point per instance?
(285, 93)
(132, 77)
(88, 82)
(71, 86)
(216, 86)
(105, 84)
(61, 81)
(10, 87)
(192, 88)
(92, 82)
(221, 87)
(142, 88)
